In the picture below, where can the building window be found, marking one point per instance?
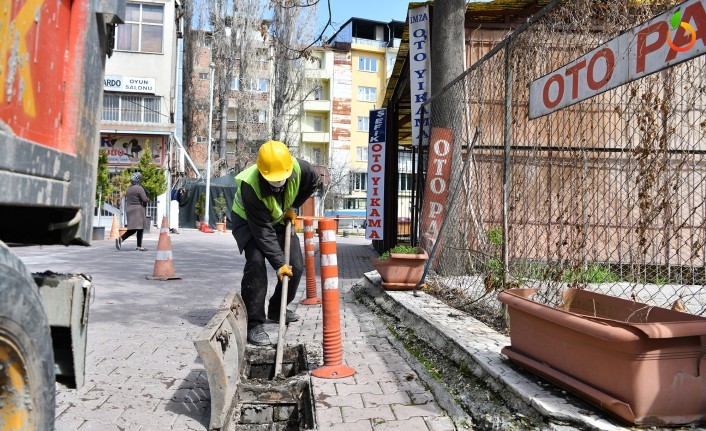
(262, 85)
(201, 139)
(355, 204)
(359, 182)
(143, 28)
(317, 124)
(368, 64)
(318, 93)
(202, 107)
(316, 156)
(361, 154)
(367, 94)
(111, 107)
(131, 108)
(234, 84)
(405, 183)
(363, 124)
(262, 116)
(203, 75)
(404, 161)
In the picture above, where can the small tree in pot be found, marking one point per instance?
(200, 210)
(220, 207)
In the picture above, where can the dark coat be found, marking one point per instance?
(135, 203)
(260, 227)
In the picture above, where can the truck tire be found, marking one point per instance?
(27, 382)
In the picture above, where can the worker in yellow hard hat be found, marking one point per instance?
(268, 194)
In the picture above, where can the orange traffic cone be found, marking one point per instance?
(163, 263)
(114, 229)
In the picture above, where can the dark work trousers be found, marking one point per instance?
(253, 288)
(129, 233)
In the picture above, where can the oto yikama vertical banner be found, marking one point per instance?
(437, 187)
(419, 69)
(374, 208)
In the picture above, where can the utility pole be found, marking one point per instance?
(447, 43)
(448, 54)
(208, 151)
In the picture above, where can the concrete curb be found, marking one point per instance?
(469, 343)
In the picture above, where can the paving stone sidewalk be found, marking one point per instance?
(143, 372)
(387, 392)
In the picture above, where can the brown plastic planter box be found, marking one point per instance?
(401, 271)
(640, 363)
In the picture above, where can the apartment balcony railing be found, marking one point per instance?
(317, 105)
(322, 137)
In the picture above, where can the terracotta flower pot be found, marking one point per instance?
(221, 227)
(400, 271)
(198, 224)
(641, 363)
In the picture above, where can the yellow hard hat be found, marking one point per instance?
(274, 161)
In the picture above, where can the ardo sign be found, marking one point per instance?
(671, 38)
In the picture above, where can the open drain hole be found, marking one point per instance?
(260, 363)
(282, 404)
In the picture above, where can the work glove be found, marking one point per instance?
(290, 215)
(285, 270)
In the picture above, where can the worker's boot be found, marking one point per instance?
(258, 336)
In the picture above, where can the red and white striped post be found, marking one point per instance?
(333, 367)
(311, 298)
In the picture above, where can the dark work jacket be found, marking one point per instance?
(259, 226)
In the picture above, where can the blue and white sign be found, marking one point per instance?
(375, 205)
(419, 69)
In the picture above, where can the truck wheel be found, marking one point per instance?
(27, 385)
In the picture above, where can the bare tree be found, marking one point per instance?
(291, 29)
(259, 79)
(336, 184)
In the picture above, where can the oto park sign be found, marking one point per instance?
(673, 37)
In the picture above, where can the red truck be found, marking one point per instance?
(52, 58)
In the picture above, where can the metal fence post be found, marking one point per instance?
(507, 130)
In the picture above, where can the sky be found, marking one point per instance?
(343, 10)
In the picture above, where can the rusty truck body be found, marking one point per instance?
(52, 58)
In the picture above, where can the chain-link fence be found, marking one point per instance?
(607, 194)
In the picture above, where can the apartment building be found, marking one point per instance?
(246, 120)
(139, 87)
(364, 55)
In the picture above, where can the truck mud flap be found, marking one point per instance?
(221, 346)
(66, 299)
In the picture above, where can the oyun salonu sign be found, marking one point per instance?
(129, 84)
(419, 69)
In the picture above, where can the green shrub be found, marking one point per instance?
(399, 249)
(200, 208)
(495, 235)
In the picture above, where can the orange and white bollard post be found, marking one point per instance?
(310, 264)
(333, 367)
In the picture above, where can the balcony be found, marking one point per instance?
(317, 105)
(321, 137)
(316, 73)
(362, 41)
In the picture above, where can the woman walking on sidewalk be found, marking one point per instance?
(136, 204)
